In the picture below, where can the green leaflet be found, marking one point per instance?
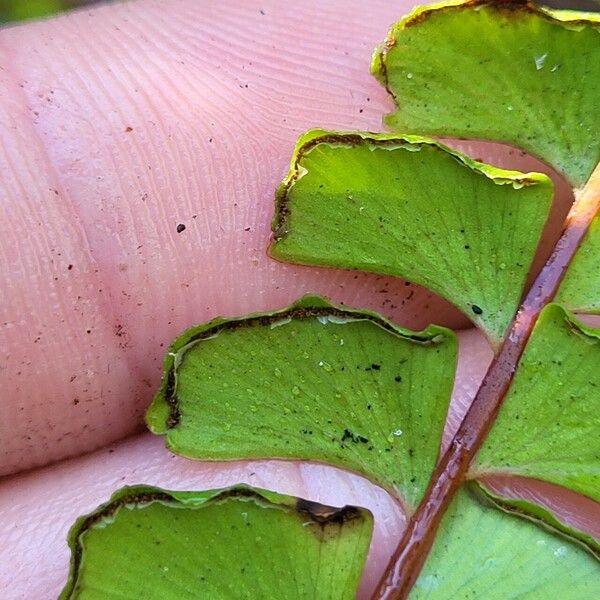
(543, 515)
(479, 552)
(410, 207)
(346, 387)
(505, 71)
(311, 382)
(580, 289)
(548, 426)
(221, 544)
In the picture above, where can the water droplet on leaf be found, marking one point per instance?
(326, 366)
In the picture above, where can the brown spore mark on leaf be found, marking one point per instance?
(180, 228)
(239, 492)
(327, 515)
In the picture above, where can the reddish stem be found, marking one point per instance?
(408, 559)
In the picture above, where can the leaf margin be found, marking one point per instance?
(141, 494)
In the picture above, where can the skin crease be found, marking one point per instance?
(116, 125)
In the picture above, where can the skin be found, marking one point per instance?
(117, 124)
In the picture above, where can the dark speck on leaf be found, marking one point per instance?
(398, 378)
(476, 309)
(348, 435)
(128, 129)
(180, 227)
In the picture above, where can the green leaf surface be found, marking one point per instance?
(222, 544)
(580, 289)
(311, 382)
(480, 552)
(503, 71)
(549, 424)
(410, 207)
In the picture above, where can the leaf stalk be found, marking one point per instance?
(410, 554)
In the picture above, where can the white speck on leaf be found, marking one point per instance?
(540, 61)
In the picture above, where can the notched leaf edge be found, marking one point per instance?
(567, 18)
(138, 495)
(412, 143)
(163, 413)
